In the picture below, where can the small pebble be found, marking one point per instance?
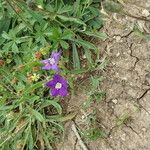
(145, 13)
(111, 137)
(118, 38)
(117, 54)
(84, 57)
(144, 129)
(39, 6)
(115, 101)
(83, 117)
(123, 137)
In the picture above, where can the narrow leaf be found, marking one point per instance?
(88, 56)
(76, 60)
(84, 43)
(51, 103)
(38, 115)
(97, 34)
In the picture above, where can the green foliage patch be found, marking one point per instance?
(30, 30)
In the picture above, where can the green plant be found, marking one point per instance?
(30, 30)
(122, 119)
(95, 94)
(94, 134)
(92, 131)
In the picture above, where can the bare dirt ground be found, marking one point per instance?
(127, 87)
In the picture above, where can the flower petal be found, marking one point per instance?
(63, 92)
(64, 83)
(57, 77)
(54, 92)
(47, 67)
(45, 61)
(55, 67)
(51, 84)
(56, 55)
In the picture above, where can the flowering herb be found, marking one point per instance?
(58, 86)
(52, 62)
(35, 77)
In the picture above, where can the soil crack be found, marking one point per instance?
(131, 54)
(76, 141)
(143, 94)
(132, 129)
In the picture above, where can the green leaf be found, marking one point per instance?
(103, 64)
(64, 9)
(7, 46)
(19, 28)
(15, 48)
(84, 43)
(67, 117)
(56, 34)
(38, 115)
(88, 56)
(96, 80)
(79, 71)
(5, 36)
(64, 44)
(76, 60)
(122, 119)
(4, 24)
(34, 14)
(97, 96)
(96, 23)
(3, 108)
(39, 2)
(31, 142)
(62, 118)
(51, 103)
(94, 133)
(67, 35)
(76, 7)
(33, 87)
(71, 19)
(97, 34)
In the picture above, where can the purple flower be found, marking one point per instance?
(52, 62)
(58, 86)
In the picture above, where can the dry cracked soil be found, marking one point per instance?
(124, 114)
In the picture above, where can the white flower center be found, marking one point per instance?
(51, 61)
(58, 85)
